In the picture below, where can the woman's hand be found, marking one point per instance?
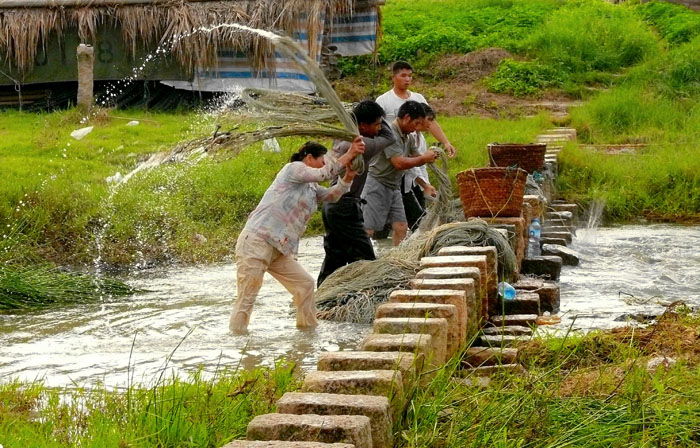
(349, 174)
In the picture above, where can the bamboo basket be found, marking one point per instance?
(492, 192)
(528, 156)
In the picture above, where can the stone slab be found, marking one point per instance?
(526, 320)
(525, 302)
(559, 207)
(418, 344)
(283, 444)
(386, 383)
(435, 327)
(546, 266)
(466, 309)
(430, 310)
(564, 235)
(500, 341)
(477, 273)
(569, 257)
(488, 282)
(374, 407)
(491, 254)
(494, 370)
(511, 330)
(487, 356)
(407, 363)
(555, 241)
(353, 429)
(535, 203)
(548, 291)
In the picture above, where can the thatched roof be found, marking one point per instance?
(157, 22)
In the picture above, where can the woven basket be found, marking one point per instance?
(528, 156)
(492, 192)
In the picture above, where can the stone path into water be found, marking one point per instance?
(353, 396)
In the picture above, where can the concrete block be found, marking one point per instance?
(520, 231)
(500, 341)
(460, 299)
(282, 444)
(460, 272)
(352, 429)
(555, 241)
(547, 290)
(511, 330)
(494, 370)
(373, 407)
(407, 363)
(491, 265)
(525, 320)
(564, 207)
(546, 266)
(385, 383)
(466, 311)
(437, 328)
(488, 356)
(562, 235)
(569, 257)
(524, 303)
(422, 310)
(418, 344)
(535, 203)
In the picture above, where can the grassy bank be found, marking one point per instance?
(605, 388)
(174, 412)
(596, 390)
(68, 210)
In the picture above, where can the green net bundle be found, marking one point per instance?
(353, 292)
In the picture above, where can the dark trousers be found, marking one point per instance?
(346, 240)
(414, 206)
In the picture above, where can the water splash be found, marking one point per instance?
(593, 218)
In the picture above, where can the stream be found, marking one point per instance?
(624, 271)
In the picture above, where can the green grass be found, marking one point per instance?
(197, 411)
(154, 216)
(591, 390)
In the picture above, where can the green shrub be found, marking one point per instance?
(523, 78)
(676, 24)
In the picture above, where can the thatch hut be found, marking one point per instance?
(170, 40)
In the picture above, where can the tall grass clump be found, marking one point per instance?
(591, 35)
(195, 411)
(675, 23)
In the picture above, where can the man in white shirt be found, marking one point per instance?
(401, 77)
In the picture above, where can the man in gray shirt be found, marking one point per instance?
(381, 191)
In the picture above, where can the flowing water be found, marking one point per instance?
(628, 272)
(83, 344)
(87, 343)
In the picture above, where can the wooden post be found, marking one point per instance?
(86, 60)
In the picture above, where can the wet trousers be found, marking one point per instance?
(346, 240)
(254, 257)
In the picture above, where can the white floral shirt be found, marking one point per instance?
(282, 214)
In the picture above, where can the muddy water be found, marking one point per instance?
(93, 342)
(84, 344)
(627, 272)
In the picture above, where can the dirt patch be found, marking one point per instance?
(472, 66)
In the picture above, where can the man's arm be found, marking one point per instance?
(436, 131)
(404, 163)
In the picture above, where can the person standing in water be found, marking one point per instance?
(270, 239)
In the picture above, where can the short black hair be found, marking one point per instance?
(367, 112)
(414, 109)
(315, 149)
(400, 65)
(429, 111)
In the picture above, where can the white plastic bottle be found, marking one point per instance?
(533, 242)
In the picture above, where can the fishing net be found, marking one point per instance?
(353, 292)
